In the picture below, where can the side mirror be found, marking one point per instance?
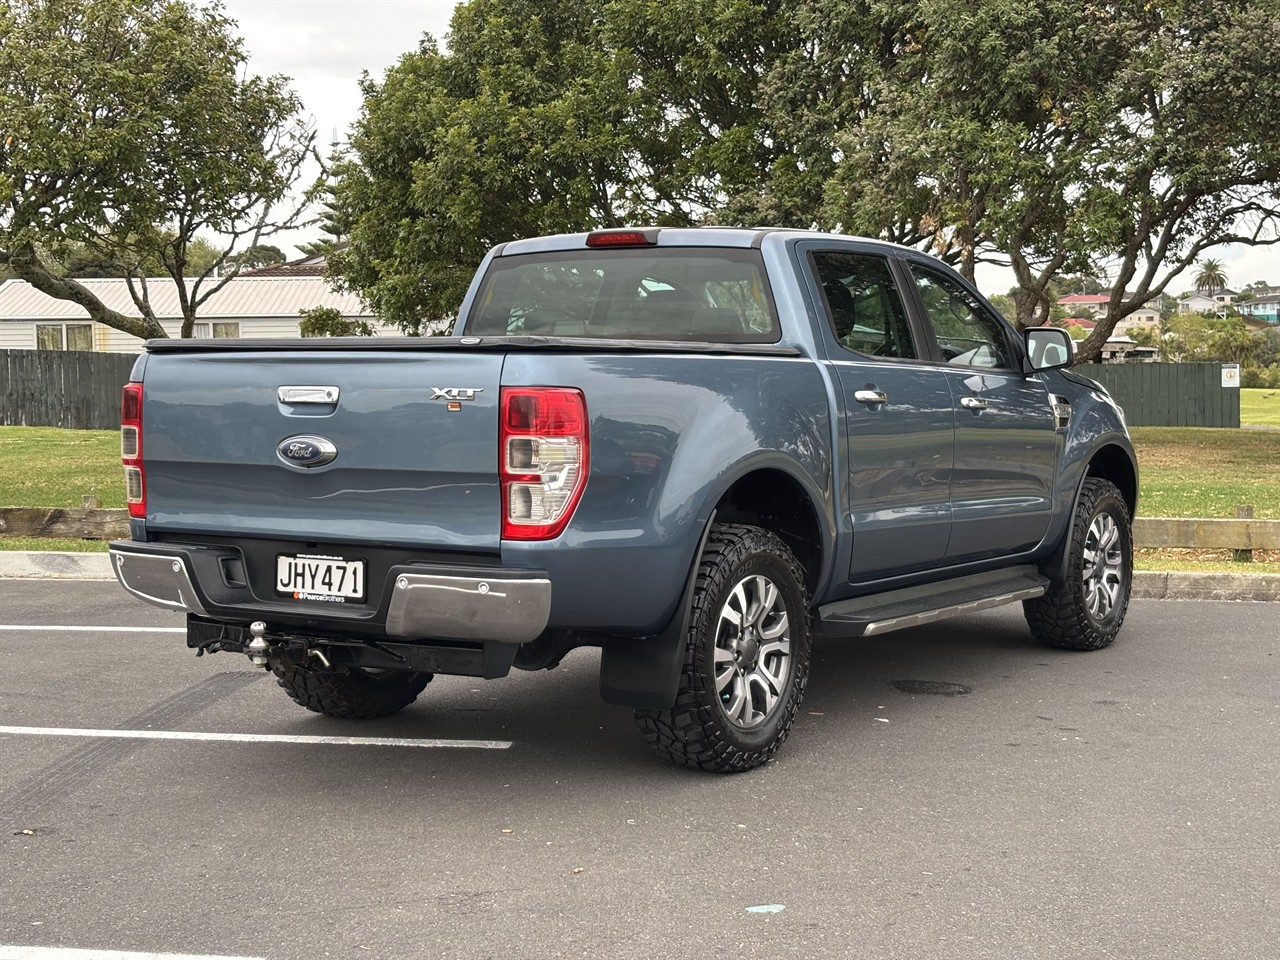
(1049, 348)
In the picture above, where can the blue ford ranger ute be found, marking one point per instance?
(695, 449)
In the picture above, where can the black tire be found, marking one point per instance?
(737, 719)
(351, 694)
(1085, 612)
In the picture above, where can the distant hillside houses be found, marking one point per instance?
(1093, 306)
(265, 304)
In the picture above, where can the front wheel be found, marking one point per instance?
(351, 694)
(1086, 611)
(746, 658)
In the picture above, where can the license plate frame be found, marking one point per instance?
(322, 577)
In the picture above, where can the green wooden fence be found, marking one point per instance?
(55, 388)
(1169, 394)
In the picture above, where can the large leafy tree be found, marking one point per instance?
(1058, 138)
(128, 130)
(1119, 139)
(520, 128)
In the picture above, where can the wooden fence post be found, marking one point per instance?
(1244, 511)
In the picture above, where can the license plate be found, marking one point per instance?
(307, 577)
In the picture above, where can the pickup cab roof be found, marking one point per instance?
(740, 237)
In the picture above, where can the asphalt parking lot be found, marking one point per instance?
(1115, 804)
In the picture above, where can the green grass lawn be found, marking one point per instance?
(1260, 408)
(1197, 472)
(47, 467)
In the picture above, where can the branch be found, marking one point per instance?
(25, 262)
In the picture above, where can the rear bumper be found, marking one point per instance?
(415, 600)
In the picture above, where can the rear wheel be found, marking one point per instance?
(1086, 611)
(352, 694)
(746, 658)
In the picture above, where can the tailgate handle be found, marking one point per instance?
(307, 394)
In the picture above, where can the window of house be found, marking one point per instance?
(216, 331)
(64, 336)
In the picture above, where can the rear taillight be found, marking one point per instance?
(135, 480)
(544, 450)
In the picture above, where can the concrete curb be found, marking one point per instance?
(42, 565)
(1147, 584)
(1156, 585)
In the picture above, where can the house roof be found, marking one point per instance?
(314, 266)
(1084, 298)
(241, 297)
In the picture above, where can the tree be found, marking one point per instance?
(1082, 140)
(258, 255)
(1210, 277)
(518, 129)
(1077, 137)
(1203, 337)
(127, 127)
(81, 260)
(329, 322)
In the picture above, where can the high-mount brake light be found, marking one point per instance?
(622, 238)
(543, 449)
(135, 478)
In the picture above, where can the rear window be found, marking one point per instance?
(650, 293)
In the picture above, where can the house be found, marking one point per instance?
(1085, 304)
(1094, 305)
(1262, 308)
(313, 266)
(249, 306)
(1210, 301)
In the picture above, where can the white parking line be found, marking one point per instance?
(65, 953)
(254, 738)
(34, 628)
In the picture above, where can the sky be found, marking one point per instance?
(325, 45)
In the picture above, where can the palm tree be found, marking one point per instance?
(1211, 276)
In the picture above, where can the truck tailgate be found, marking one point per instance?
(415, 436)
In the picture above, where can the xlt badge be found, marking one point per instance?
(455, 393)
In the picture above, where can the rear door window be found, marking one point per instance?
(864, 308)
(652, 293)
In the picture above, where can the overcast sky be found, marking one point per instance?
(324, 46)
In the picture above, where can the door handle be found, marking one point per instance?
(973, 403)
(871, 396)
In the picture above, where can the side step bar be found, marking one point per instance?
(913, 606)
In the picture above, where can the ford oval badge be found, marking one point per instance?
(307, 451)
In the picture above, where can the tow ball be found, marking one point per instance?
(259, 646)
(260, 649)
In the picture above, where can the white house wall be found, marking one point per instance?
(21, 334)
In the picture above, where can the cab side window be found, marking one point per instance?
(864, 307)
(968, 334)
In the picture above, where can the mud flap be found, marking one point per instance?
(644, 672)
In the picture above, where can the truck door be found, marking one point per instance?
(896, 412)
(1006, 442)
